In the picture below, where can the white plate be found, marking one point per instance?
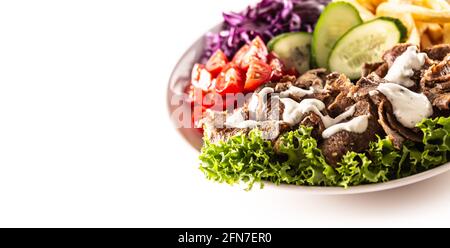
(180, 78)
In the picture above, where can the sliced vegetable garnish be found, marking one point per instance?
(201, 78)
(365, 43)
(216, 63)
(230, 80)
(278, 68)
(256, 51)
(266, 19)
(258, 73)
(336, 19)
(239, 56)
(293, 49)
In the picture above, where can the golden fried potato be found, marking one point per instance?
(418, 13)
(436, 4)
(435, 32)
(414, 36)
(446, 33)
(404, 17)
(422, 27)
(367, 5)
(425, 41)
(375, 3)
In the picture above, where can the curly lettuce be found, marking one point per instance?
(248, 158)
(298, 160)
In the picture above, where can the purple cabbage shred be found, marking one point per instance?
(266, 19)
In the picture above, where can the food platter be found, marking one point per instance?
(177, 82)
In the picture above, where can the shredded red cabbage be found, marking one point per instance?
(267, 19)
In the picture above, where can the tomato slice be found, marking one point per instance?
(258, 73)
(278, 68)
(216, 63)
(256, 51)
(200, 77)
(237, 59)
(230, 80)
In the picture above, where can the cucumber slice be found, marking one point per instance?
(365, 44)
(293, 49)
(336, 19)
(365, 13)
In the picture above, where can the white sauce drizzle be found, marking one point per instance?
(236, 120)
(328, 121)
(299, 92)
(356, 125)
(294, 111)
(409, 107)
(258, 104)
(403, 66)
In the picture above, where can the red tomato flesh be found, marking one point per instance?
(230, 80)
(256, 51)
(237, 59)
(278, 68)
(200, 77)
(216, 63)
(258, 73)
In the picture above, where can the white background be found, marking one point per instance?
(85, 138)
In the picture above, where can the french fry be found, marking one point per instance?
(437, 4)
(427, 21)
(414, 36)
(446, 38)
(445, 4)
(420, 3)
(418, 13)
(367, 4)
(421, 27)
(404, 17)
(435, 32)
(375, 3)
(401, 1)
(425, 42)
(432, 4)
(411, 2)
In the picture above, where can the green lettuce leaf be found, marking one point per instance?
(248, 158)
(305, 164)
(356, 168)
(298, 160)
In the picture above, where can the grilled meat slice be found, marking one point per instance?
(379, 69)
(390, 55)
(338, 87)
(410, 134)
(396, 132)
(435, 84)
(442, 101)
(438, 73)
(396, 139)
(335, 147)
(312, 78)
(314, 121)
(438, 52)
(214, 127)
